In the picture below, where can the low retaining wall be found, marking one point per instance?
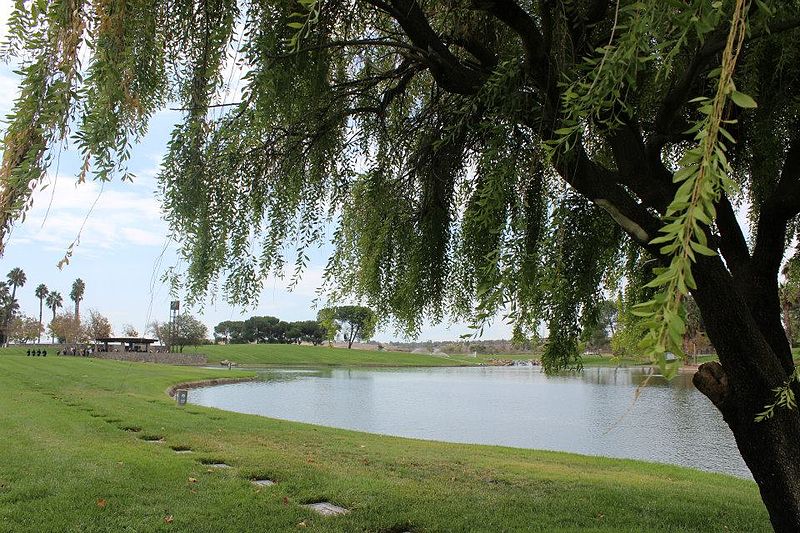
(208, 383)
(154, 357)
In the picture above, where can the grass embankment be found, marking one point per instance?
(294, 355)
(71, 460)
(611, 361)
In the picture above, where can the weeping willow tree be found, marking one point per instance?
(465, 157)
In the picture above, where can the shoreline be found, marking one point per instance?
(209, 383)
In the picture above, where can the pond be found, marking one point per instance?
(592, 412)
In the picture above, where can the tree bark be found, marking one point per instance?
(741, 384)
(769, 448)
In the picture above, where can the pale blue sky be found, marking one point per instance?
(123, 250)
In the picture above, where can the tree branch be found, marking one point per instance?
(670, 110)
(601, 186)
(450, 74)
(761, 289)
(390, 43)
(516, 18)
(649, 179)
(775, 213)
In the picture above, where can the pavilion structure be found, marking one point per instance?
(124, 344)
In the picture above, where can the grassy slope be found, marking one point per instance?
(62, 450)
(293, 355)
(607, 360)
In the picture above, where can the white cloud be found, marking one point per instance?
(6, 7)
(117, 215)
(9, 87)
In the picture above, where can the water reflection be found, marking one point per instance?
(592, 412)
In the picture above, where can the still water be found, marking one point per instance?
(593, 412)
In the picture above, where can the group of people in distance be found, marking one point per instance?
(83, 352)
(36, 353)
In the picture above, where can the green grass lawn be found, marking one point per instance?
(72, 460)
(608, 360)
(294, 355)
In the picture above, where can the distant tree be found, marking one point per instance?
(353, 321)
(789, 295)
(129, 331)
(189, 331)
(54, 301)
(264, 329)
(161, 331)
(305, 331)
(41, 293)
(16, 278)
(97, 326)
(8, 308)
(24, 329)
(186, 331)
(695, 329)
(229, 331)
(67, 329)
(76, 295)
(279, 332)
(311, 331)
(599, 325)
(629, 329)
(327, 319)
(294, 335)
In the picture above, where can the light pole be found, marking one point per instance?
(174, 310)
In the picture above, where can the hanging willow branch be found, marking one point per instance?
(704, 174)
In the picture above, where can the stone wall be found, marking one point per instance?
(153, 357)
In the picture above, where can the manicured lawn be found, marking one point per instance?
(294, 355)
(67, 463)
(608, 360)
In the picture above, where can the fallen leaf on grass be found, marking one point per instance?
(192, 480)
(285, 500)
(101, 503)
(302, 524)
(168, 519)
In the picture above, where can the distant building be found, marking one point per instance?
(125, 344)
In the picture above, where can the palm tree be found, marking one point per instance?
(54, 301)
(76, 295)
(7, 307)
(16, 278)
(41, 292)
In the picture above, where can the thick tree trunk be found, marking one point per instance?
(741, 384)
(771, 449)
